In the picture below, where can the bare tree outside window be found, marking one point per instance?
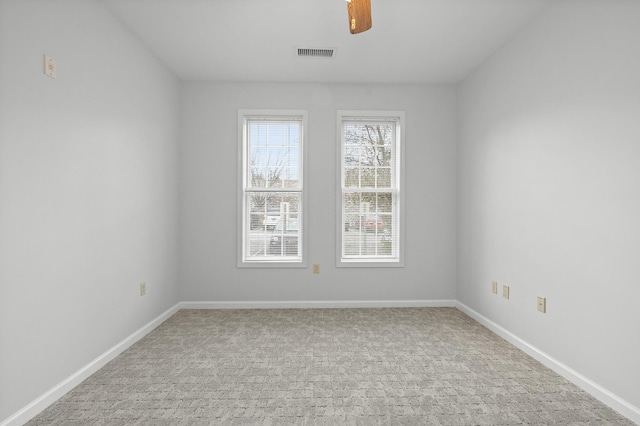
(265, 173)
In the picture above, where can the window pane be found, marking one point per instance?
(290, 177)
(274, 134)
(383, 156)
(368, 177)
(258, 133)
(383, 178)
(257, 178)
(352, 155)
(274, 229)
(293, 155)
(274, 178)
(351, 202)
(384, 202)
(274, 147)
(352, 177)
(366, 231)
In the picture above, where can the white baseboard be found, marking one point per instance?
(620, 405)
(52, 395)
(321, 304)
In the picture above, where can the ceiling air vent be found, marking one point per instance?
(315, 53)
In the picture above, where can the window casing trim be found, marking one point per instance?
(397, 187)
(269, 115)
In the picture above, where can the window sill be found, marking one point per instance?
(271, 264)
(379, 263)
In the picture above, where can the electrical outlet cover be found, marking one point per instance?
(50, 66)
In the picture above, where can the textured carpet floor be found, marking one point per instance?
(413, 366)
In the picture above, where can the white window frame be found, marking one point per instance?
(243, 176)
(398, 117)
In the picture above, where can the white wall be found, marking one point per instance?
(88, 191)
(208, 188)
(549, 189)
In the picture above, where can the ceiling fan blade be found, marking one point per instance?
(359, 15)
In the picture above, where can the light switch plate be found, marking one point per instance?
(542, 304)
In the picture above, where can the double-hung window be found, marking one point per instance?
(370, 191)
(272, 188)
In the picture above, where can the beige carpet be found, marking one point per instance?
(400, 366)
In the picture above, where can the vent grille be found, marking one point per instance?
(315, 53)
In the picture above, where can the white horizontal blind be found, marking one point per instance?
(272, 189)
(370, 184)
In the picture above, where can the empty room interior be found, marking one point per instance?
(464, 171)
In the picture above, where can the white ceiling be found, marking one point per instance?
(412, 41)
